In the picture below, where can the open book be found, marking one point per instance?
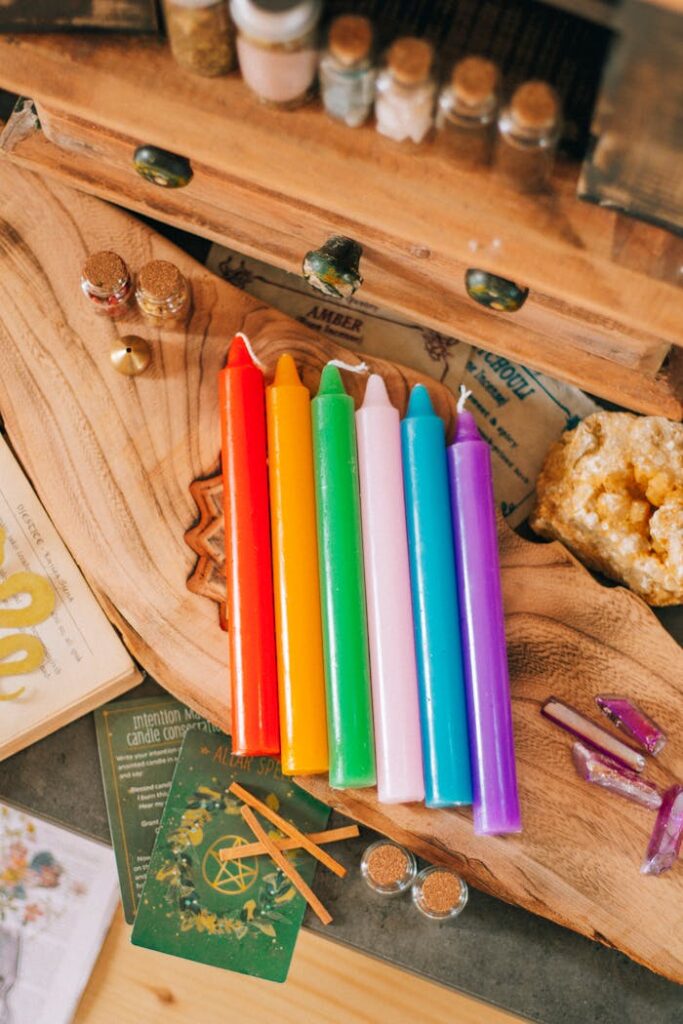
(80, 660)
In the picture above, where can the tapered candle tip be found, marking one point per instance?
(419, 403)
(466, 427)
(376, 391)
(331, 382)
(286, 372)
(239, 354)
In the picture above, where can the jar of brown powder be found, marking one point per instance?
(388, 868)
(439, 893)
(201, 35)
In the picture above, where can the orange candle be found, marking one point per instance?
(303, 726)
(251, 624)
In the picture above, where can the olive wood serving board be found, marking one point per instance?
(112, 458)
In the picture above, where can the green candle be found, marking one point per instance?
(345, 634)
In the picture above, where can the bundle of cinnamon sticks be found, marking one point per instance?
(295, 839)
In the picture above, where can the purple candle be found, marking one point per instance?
(492, 751)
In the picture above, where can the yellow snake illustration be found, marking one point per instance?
(39, 608)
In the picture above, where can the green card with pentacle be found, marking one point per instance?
(243, 915)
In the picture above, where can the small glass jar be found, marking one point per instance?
(467, 111)
(388, 868)
(163, 295)
(439, 894)
(201, 35)
(347, 77)
(107, 283)
(277, 48)
(404, 94)
(528, 132)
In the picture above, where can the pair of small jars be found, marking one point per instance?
(521, 138)
(390, 870)
(162, 293)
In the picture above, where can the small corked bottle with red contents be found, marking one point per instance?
(107, 283)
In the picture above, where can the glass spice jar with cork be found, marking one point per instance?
(347, 77)
(201, 35)
(163, 295)
(467, 111)
(439, 894)
(389, 869)
(404, 95)
(277, 48)
(528, 132)
(107, 283)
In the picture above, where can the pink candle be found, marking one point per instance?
(387, 583)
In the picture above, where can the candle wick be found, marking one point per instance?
(464, 395)
(351, 367)
(254, 358)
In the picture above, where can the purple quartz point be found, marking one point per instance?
(628, 716)
(591, 734)
(603, 771)
(667, 835)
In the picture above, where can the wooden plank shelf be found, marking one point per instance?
(604, 308)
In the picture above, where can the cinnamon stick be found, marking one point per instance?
(333, 835)
(286, 826)
(278, 856)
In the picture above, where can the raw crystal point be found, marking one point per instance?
(603, 771)
(667, 835)
(591, 734)
(627, 716)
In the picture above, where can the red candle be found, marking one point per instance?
(251, 619)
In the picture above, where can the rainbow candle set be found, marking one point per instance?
(364, 600)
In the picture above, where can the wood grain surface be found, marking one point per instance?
(328, 983)
(112, 459)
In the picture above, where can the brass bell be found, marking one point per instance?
(130, 355)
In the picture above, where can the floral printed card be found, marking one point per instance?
(58, 892)
(243, 915)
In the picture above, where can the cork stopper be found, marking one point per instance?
(387, 864)
(410, 60)
(160, 280)
(105, 271)
(350, 39)
(475, 81)
(441, 892)
(535, 105)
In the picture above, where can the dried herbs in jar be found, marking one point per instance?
(201, 35)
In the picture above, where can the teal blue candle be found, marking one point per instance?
(443, 709)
